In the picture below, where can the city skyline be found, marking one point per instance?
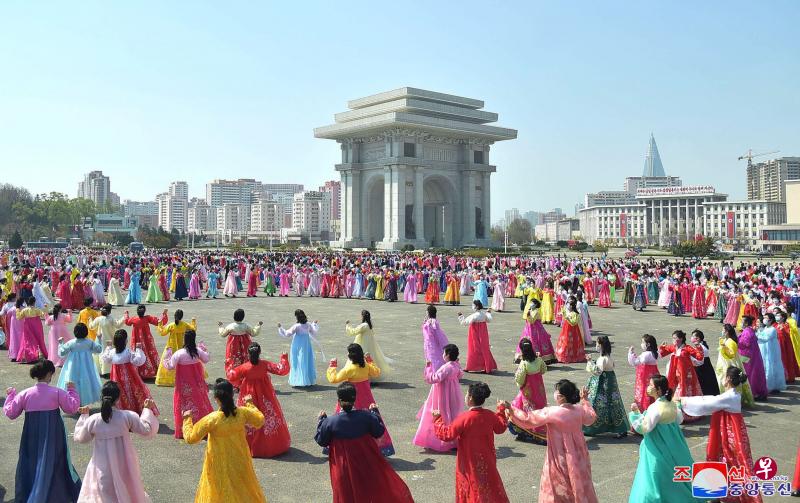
(198, 97)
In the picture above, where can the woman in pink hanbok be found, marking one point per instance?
(194, 286)
(734, 303)
(604, 297)
(230, 289)
(191, 390)
(410, 290)
(162, 284)
(665, 295)
(57, 320)
(535, 332)
(567, 472)
(113, 472)
(445, 396)
(286, 283)
(498, 298)
(699, 307)
(531, 396)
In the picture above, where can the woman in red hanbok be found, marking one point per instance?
(588, 287)
(162, 284)
(252, 378)
(699, 307)
(141, 335)
(728, 441)
(646, 366)
(77, 293)
(479, 351)
(325, 287)
(239, 336)
(432, 292)
(63, 293)
(133, 391)
(567, 471)
(680, 370)
(790, 369)
(477, 478)
(252, 287)
(570, 347)
(358, 471)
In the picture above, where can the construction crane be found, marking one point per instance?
(749, 156)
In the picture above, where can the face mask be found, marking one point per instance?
(644, 346)
(474, 308)
(556, 394)
(765, 321)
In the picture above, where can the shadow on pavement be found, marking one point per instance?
(504, 452)
(163, 429)
(402, 465)
(295, 455)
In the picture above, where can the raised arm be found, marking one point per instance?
(138, 358)
(14, 404)
(644, 422)
(353, 331)
(194, 433)
(281, 368)
(288, 333)
(84, 429)
(445, 432)
(145, 425)
(323, 435)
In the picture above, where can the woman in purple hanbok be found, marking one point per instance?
(194, 286)
(754, 365)
(433, 339)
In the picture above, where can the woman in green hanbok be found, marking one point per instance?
(153, 291)
(604, 394)
(662, 449)
(269, 283)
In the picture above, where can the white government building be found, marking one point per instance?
(656, 209)
(415, 169)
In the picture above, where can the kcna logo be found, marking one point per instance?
(712, 479)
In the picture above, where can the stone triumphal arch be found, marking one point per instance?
(415, 169)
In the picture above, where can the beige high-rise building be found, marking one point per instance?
(767, 180)
(793, 201)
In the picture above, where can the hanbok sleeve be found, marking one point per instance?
(108, 354)
(521, 375)
(145, 425)
(702, 405)
(645, 422)
(633, 360)
(236, 375)
(594, 368)
(165, 330)
(194, 433)
(665, 350)
(84, 429)
(373, 370)
(313, 328)
(488, 316)
(14, 404)
(288, 333)
(589, 414)
(225, 330)
(255, 330)
(353, 331)
(323, 435)
(436, 376)
(96, 347)
(376, 426)
(281, 368)
(203, 354)
(448, 432)
(252, 416)
(65, 349)
(138, 358)
(336, 376)
(530, 420)
(170, 360)
(68, 400)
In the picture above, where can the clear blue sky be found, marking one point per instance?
(151, 92)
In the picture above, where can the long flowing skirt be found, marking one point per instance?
(479, 352)
(675, 305)
(150, 366)
(660, 452)
(133, 391)
(721, 307)
(273, 438)
(570, 347)
(236, 351)
(445, 397)
(639, 297)
(531, 397)
(728, 442)
(540, 340)
(301, 361)
(44, 467)
(79, 368)
(707, 378)
(359, 473)
(732, 313)
(607, 403)
(643, 374)
(191, 393)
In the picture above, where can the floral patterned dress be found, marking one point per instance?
(605, 399)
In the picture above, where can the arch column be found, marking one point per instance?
(419, 205)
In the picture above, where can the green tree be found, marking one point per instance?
(16, 241)
(519, 231)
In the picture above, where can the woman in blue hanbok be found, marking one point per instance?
(212, 285)
(302, 371)
(44, 468)
(79, 367)
(371, 286)
(662, 449)
(358, 287)
(135, 289)
(771, 353)
(481, 291)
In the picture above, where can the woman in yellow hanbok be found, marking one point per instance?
(174, 332)
(228, 473)
(173, 279)
(379, 284)
(364, 336)
(547, 311)
(794, 334)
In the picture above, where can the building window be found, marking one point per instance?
(409, 149)
(477, 157)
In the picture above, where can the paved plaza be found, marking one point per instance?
(171, 468)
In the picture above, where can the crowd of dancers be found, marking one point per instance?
(758, 354)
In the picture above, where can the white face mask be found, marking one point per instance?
(556, 394)
(644, 346)
(779, 318)
(475, 308)
(765, 321)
